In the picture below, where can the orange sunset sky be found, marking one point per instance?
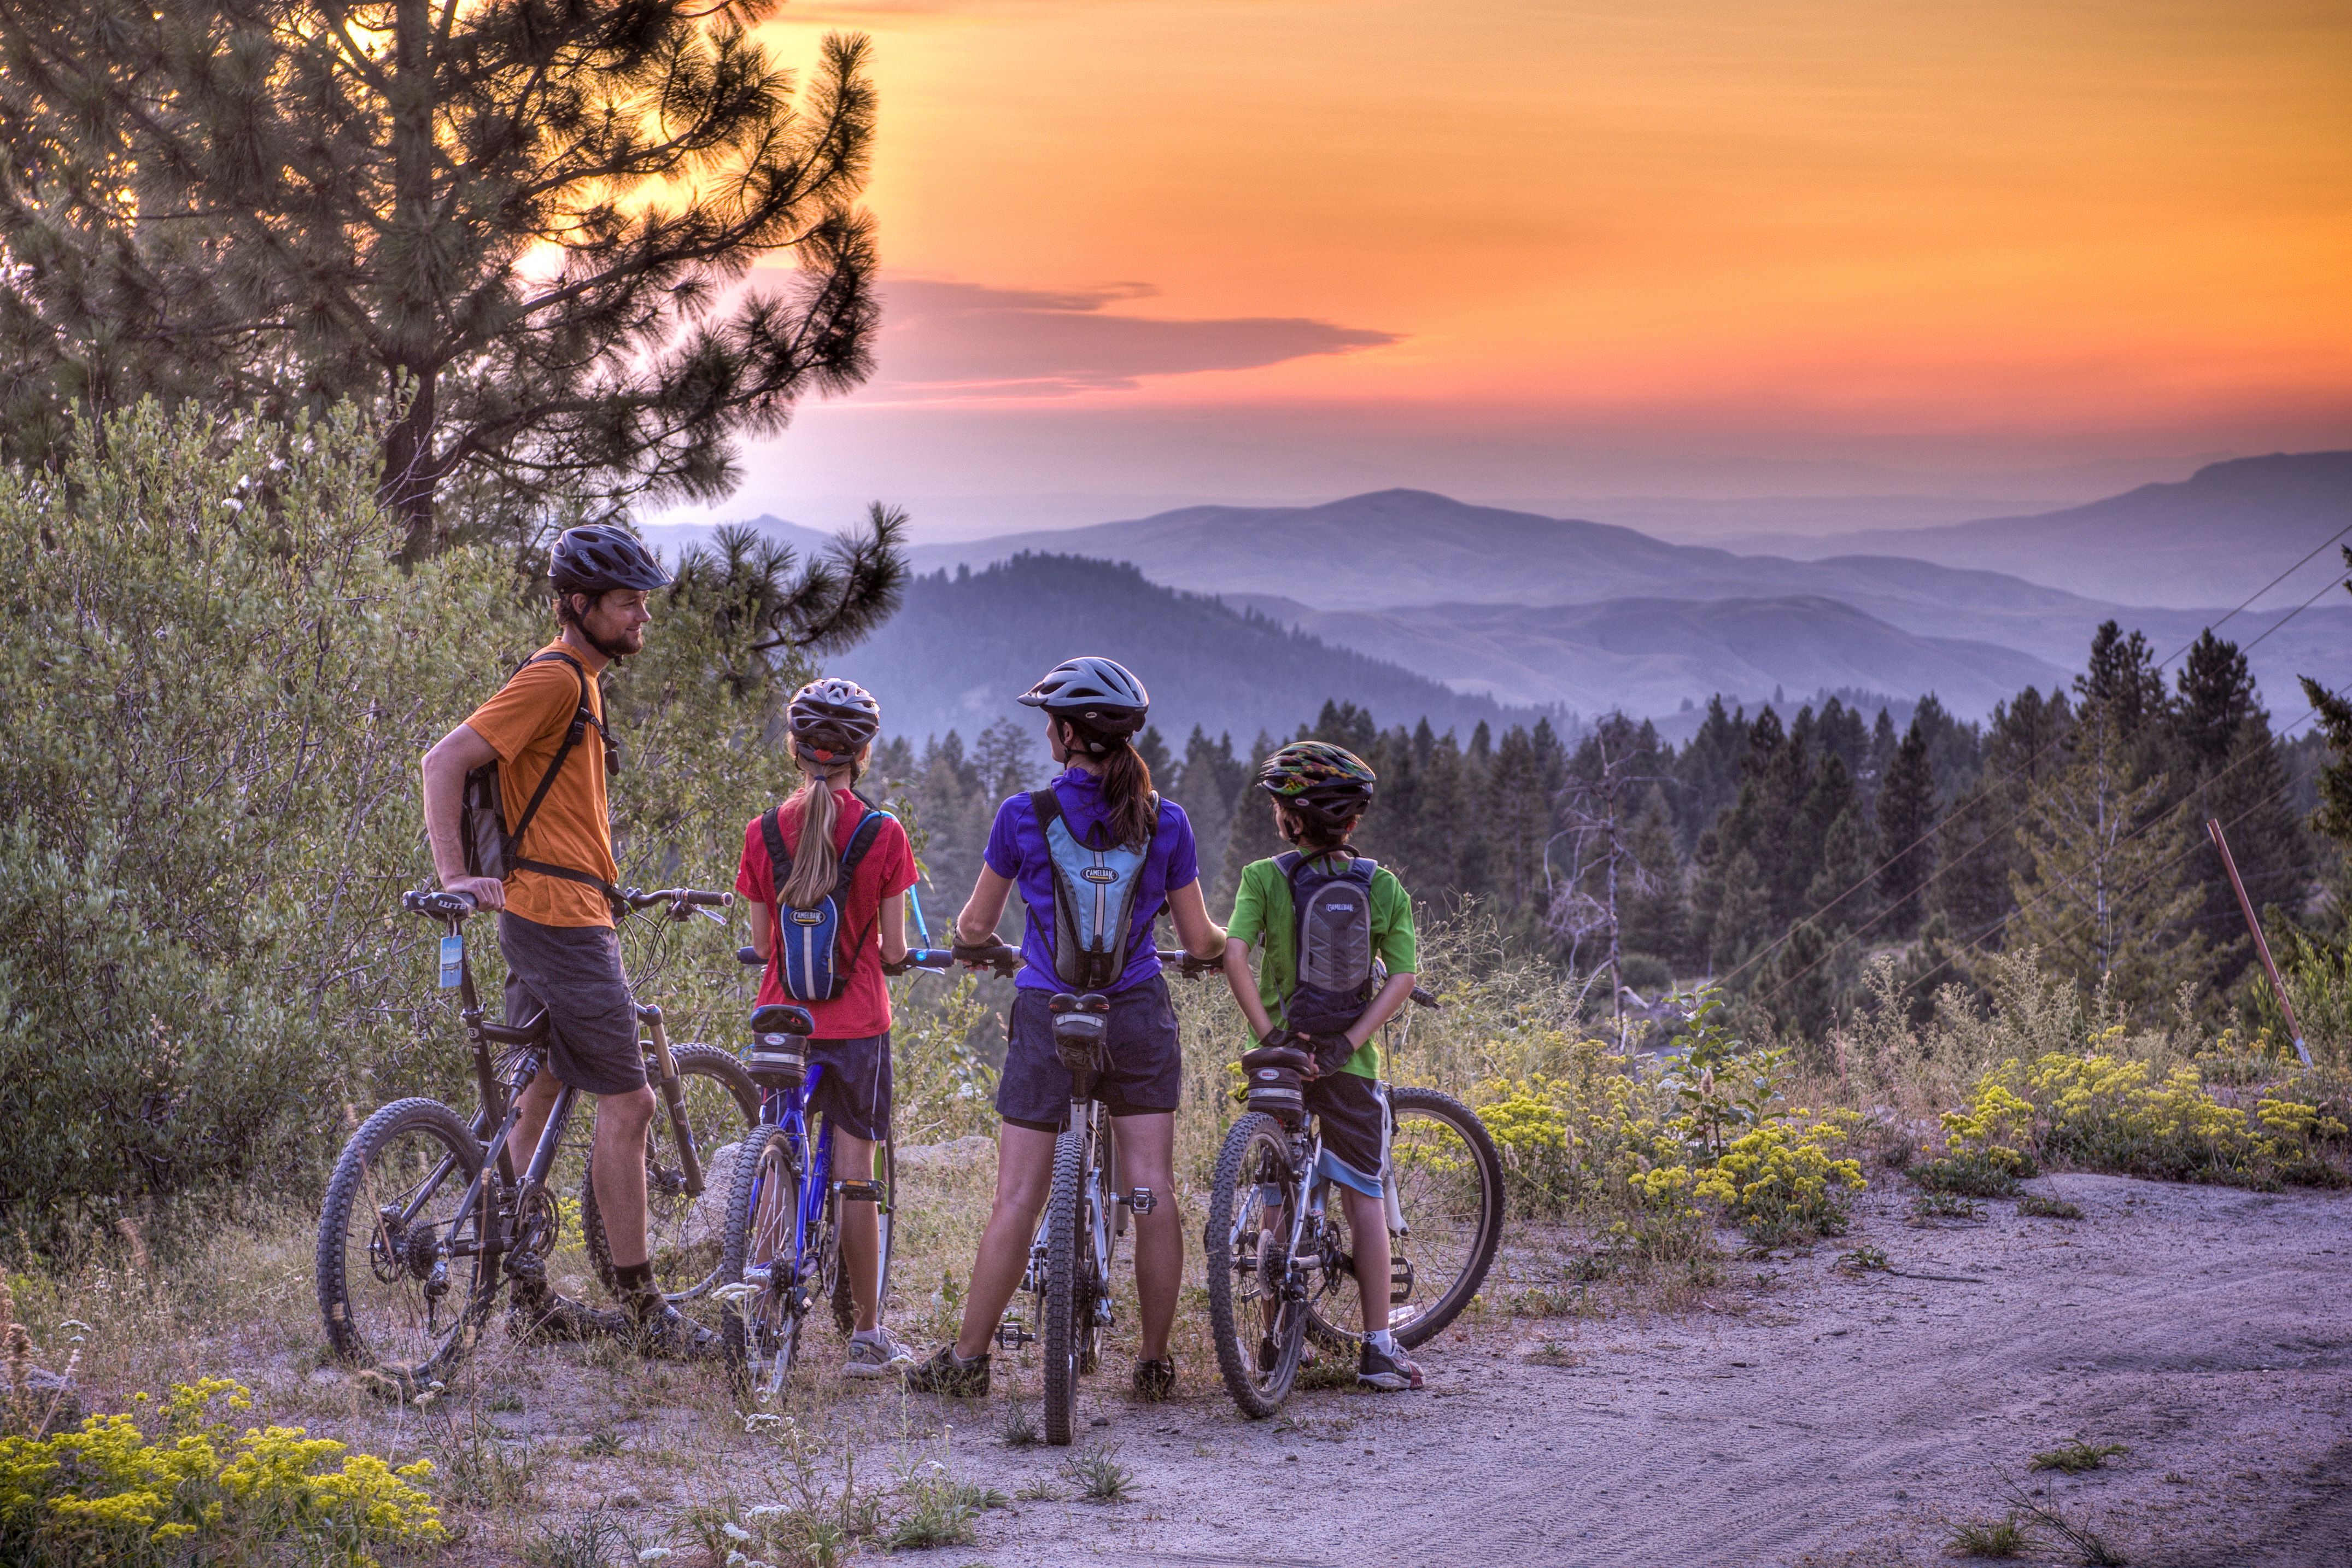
(1885, 260)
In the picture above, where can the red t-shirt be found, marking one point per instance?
(863, 1008)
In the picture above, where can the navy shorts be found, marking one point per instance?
(854, 1091)
(1147, 1065)
(1348, 1108)
(573, 973)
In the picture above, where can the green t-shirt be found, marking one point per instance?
(1263, 918)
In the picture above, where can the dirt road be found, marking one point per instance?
(1840, 1419)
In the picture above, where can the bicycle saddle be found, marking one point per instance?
(782, 1018)
(1289, 1058)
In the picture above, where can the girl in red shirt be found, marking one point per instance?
(833, 724)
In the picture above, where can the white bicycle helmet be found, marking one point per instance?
(1100, 696)
(832, 719)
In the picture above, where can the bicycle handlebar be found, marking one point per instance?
(994, 955)
(442, 905)
(1189, 967)
(1423, 997)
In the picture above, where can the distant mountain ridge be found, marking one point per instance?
(2208, 539)
(965, 645)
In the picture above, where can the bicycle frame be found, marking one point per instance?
(789, 1110)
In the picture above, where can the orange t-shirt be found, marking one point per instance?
(524, 723)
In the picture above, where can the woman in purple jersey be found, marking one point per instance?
(1103, 801)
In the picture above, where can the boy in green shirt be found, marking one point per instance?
(1355, 912)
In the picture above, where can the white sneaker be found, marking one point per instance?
(876, 1355)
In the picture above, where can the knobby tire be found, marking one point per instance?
(1059, 1334)
(1236, 1320)
(678, 1266)
(381, 1326)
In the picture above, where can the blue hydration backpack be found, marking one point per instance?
(816, 961)
(1094, 899)
(1333, 914)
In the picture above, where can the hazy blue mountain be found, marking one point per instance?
(2210, 539)
(1649, 654)
(967, 643)
(1390, 574)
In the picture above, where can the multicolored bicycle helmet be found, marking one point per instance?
(597, 558)
(1100, 697)
(1328, 786)
(832, 721)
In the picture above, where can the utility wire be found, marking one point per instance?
(1985, 791)
(2145, 827)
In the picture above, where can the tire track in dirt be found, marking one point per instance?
(2206, 1328)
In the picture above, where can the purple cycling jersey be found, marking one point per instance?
(1016, 851)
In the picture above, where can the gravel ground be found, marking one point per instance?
(1839, 1418)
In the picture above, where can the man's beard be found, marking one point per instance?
(611, 647)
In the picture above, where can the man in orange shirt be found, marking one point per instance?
(555, 912)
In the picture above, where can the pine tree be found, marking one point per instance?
(2228, 769)
(1843, 892)
(510, 227)
(1655, 921)
(1709, 769)
(1977, 842)
(2106, 898)
(1906, 818)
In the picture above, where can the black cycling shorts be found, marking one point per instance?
(573, 973)
(1147, 1065)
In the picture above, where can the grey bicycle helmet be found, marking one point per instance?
(597, 557)
(832, 719)
(1099, 695)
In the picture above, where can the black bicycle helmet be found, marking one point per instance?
(833, 719)
(1328, 786)
(1099, 695)
(598, 557)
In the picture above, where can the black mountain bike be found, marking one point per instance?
(1281, 1266)
(1070, 1258)
(425, 1217)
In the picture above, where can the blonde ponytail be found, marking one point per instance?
(815, 860)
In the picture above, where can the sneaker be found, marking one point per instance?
(1155, 1379)
(664, 1332)
(1386, 1366)
(540, 1316)
(876, 1356)
(949, 1373)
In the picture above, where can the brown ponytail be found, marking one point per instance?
(1133, 809)
(815, 861)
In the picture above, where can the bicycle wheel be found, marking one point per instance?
(398, 1299)
(1058, 1336)
(1449, 1184)
(844, 1301)
(1248, 1267)
(760, 1327)
(684, 1233)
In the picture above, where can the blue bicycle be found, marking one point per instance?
(781, 1252)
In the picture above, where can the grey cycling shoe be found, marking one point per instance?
(949, 1373)
(540, 1316)
(876, 1354)
(664, 1332)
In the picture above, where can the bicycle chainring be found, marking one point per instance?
(538, 1225)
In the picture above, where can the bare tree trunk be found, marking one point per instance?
(410, 474)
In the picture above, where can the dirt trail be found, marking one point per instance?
(1839, 1420)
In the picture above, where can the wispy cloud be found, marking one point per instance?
(946, 340)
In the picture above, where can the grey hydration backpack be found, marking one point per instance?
(1334, 913)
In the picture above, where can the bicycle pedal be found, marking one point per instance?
(859, 1192)
(1400, 1281)
(1140, 1200)
(1012, 1336)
